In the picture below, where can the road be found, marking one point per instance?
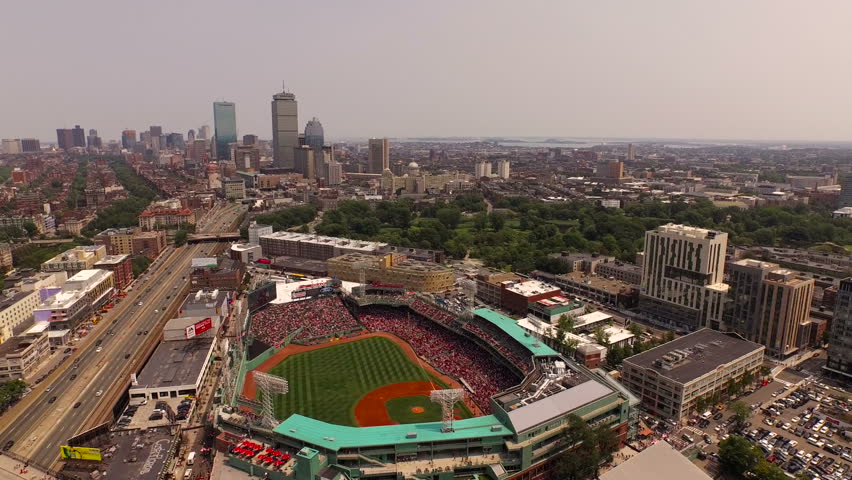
(38, 426)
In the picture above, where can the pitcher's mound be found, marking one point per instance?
(417, 410)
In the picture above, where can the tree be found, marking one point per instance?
(480, 222)
(498, 220)
(180, 238)
(450, 217)
(601, 337)
(636, 329)
(668, 337)
(742, 412)
(30, 228)
(738, 456)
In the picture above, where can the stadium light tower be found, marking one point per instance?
(447, 400)
(361, 267)
(469, 288)
(269, 385)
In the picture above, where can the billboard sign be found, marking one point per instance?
(298, 294)
(199, 327)
(80, 453)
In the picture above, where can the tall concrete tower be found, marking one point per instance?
(285, 129)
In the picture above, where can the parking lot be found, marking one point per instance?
(793, 426)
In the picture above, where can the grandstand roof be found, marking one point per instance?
(515, 331)
(335, 437)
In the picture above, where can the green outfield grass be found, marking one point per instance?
(326, 384)
(399, 409)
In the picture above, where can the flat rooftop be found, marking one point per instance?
(175, 363)
(204, 299)
(112, 260)
(703, 352)
(597, 282)
(531, 287)
(658, 461)
(543, 410)
(11, 297)
(687, 231)
(88, 276)
(323, 240)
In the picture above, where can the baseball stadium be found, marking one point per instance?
(386, 384)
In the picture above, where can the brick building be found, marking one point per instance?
(212, 274)
(121, 267)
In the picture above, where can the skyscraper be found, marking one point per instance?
(155, 130)
(93, 140)
(314, 137)
(846, 191)
(190, 136)
(482, 169)
(30, 145)
(285, 129)
(631, 152)
(225, 123)
(128, 139)
(503, 168)
(204, 132)
(682, 277)
(249, 139)
(65, 138)
(840, 340)
(79, 136)
(379, 155)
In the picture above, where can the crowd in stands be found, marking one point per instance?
(511, 350)
(450, 353)
(318, 318)
(435, 313)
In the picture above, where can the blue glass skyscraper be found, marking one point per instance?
(225, 123)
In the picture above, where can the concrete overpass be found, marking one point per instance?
(212, 237)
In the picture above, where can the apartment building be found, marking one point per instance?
(840, 341)
(121, 267)
(20, 356)
(682, 277)
(16, 310)
(489, 284)
(75, 259)
(670, 379)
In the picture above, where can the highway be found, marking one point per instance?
(38, 426)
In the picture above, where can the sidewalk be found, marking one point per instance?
(10, 468)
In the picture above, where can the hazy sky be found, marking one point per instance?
(635, 68)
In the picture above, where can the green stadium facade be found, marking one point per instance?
(520, 440)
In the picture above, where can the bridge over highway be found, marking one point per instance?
(212, 237)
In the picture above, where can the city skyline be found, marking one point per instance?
(657, 70)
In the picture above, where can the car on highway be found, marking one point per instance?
(52, 399)
(99, 393)
(8, 445)
(139, 304)
(146, 332)
(76, 405)
(99, 349)
(48, 389)
(126, 356)
(73, 377)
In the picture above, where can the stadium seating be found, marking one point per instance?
(450, 353)
(515, 353)
(321, 317)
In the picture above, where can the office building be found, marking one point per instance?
(152, 218)
(190, 136)
(16, 310)
(767, 305)
(12, 145)
(175, 140)
(503, 168)
(79, 300)
(121, 267)
(610, 170)
(245, 252)
(335, 173)
(93, 140)
(21, 356)
(234, 188)
(682, 277)
(64, 138)
(392, 270)
(314, 136)
(840, 339)
(212, 273)
(489, 284)
(285, 129)
(846, 191)
(203, 132)
(128, 139)
(79, 136)
(249, 139)
(631, 152)
(75, 259)
(670, 379)
(379, 155)
(225, 123)
(256, 230)
(517, 297)
(29, 145)
(247, 158)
